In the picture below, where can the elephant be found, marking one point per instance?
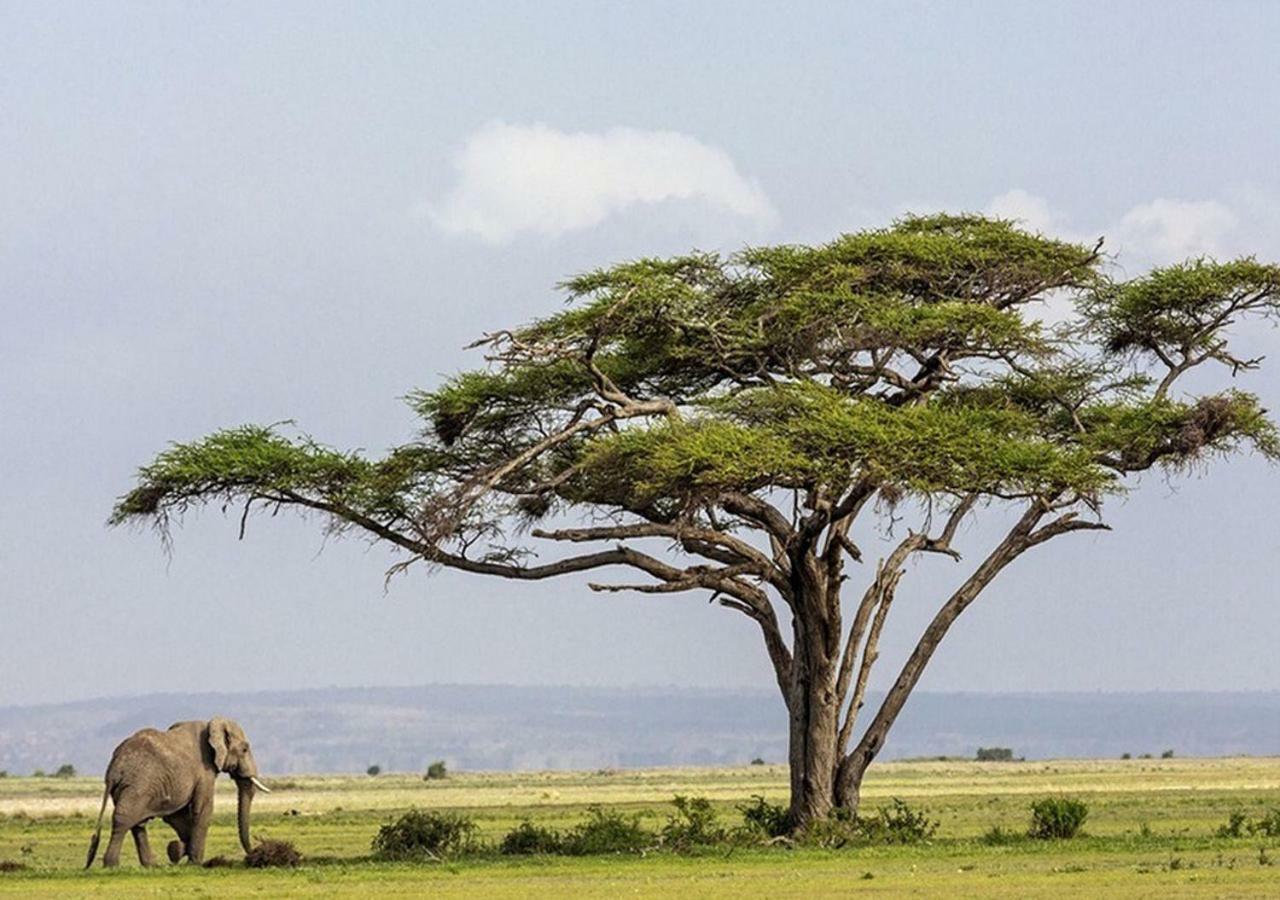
(171, 774)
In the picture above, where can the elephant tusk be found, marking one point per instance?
(260, 786)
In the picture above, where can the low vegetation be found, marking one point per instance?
(1174, 827)
(1057, 817)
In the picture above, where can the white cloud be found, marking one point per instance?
(1031, 211)
(1165, 231)
(1160, 232)
(532, 178)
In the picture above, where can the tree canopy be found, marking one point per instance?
(748, 409)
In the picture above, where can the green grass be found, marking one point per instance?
(1151, 831)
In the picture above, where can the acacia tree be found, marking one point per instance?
(739, 425)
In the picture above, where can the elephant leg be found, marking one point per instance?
(200, 814)
(111, 858)
(144, 846)
(180, 822)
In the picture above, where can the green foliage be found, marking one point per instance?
(425, 834)
(994, 754)
(1239, 824)
(900, 355)
(527, 839)
(373, 771)
(607, 831)
(1057, 817)
(1184, 307)
(693, 824)
(66, 770)
(766, 819)
(898, 823)
(436, 771)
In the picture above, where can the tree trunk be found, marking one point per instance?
(814, 725)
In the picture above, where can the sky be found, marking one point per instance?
(213, 214)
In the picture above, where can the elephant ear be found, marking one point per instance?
(218, 741)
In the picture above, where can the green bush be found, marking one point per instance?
(994, 754)
(764, 818)
(1239, 824)
(606, 832)
(425, 834)
(693, 824)
(436, 771)
(527, 839)
(66, 770)
(373, 771)
(898, 824)
(1168, 754)
(1057, 817)
(758, 761)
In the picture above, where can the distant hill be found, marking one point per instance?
(503, 727)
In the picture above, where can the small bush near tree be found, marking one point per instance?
(693, 824)
(373, 771)
(66, 770)
(1126, 756)
(605, 831)
(1057, 817)
(768, 820)
(1168, 754)
(995, 754)
(425, 834)
(898, 823)
(527, 839)
(38, 773)
(273, 854)
(436, 771)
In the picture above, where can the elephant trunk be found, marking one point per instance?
(244, 800)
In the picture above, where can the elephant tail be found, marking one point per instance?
(97, 834)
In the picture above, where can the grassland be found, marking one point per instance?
(1151, 832)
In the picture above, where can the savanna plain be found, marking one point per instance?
(1155, 827)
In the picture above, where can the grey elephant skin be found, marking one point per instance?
(170, 775)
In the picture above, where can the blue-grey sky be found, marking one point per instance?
(218, 213)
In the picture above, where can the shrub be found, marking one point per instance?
(425, 834)
(4, 773)
(758, 761)
(11, 865)
(1168, 754)
(764, 818)
(1126, 756)
(373, 771)
(1268, 825)
(606, 832)
(66, 770)
(1057, 817)
(270, 854)
(38, 773)
(1236, 824)
(898, 824)
(995, 754)
(528, 838)
(436, 771)
(693, 824)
